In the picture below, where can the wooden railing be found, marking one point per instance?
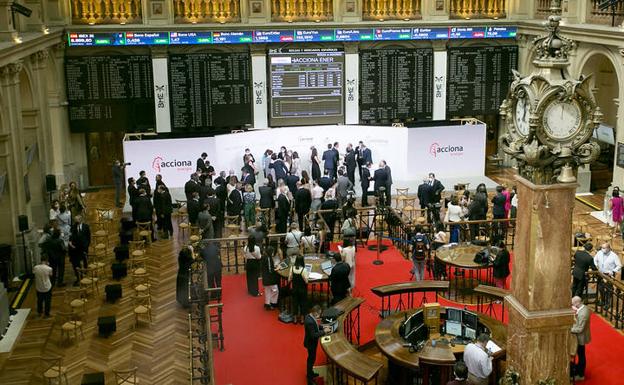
(391, 10)
(478, 9)
(107, 12)
(302, 10)
(542, 9)
(607, 295)
(206, 11)
(595, 15)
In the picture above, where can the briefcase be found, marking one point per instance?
(113, 292)
(119, 270)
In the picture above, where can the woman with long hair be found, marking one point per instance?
(299, 278)
(316, 162)
(270, 279)
(74, 199)
(252, 265)
(295, 165)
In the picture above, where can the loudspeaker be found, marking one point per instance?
(50, 183)
(22, 221)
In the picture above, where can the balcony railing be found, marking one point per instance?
(391, 9)
(206, 11)
(302, 10)
(478, 9)
(542, 9)
(595, 15)
(107, 12)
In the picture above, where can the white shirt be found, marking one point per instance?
(607, 264)
(317, 192)
(255, 255)
(477, 360)
(42, 277)
(293, 238)
(453, 213)
(53, 214)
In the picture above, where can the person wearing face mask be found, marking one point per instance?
(608, 263)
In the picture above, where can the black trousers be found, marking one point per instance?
(57, 263)
(76, 261)
(252, 270)
(300, 299)
(214, 279)
(351, 174)
(310, 361)
(300, 218)
(165, 224)
(44, 300)
(364, 196)
(578, 287)
(579, 367)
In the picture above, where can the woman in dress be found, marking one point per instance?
(64, 223)
(270, 279)
(316, 168)
(454, 214)
(347, 251)
(507, 195)
(252, 265)
(299, 278)
(185, 259)
(74, 199)
(617, 211)
(295, 166)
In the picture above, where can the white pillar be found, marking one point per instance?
(259, 78)
(439, 82)
(352, 74)
(161, 94)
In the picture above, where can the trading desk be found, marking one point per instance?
(432, 361)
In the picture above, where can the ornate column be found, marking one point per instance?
(57, 118)
(12, 149)
(39, 65)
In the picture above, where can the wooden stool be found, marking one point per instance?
(232, 225)
(70, 324)
(142, 307)
(140, 283)
(126, 377)
(76, 298)
(401, 195)
(89, 280)
(144, 231)
(53, 370)
(195, 234)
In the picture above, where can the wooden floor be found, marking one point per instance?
(158, 350)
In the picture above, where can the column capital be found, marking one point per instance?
(10, 72)
(39, 58)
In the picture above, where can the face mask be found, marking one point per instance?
(605, 250)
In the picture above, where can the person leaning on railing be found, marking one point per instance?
(608, 263)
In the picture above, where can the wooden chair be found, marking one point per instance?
(141, 283)
(89, 280)
(183, 225)
(98, 261)
(142, 307)
(126, 377)
(195, 234)
(54, 371)
(136, 248)
(232, 225)
(138, 257)
(76, 299)
(409, 208)
(401, 195)
(100, 235)
(70, 324)
(144, 231)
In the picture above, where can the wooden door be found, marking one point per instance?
(102, 149)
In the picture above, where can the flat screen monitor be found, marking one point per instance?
(418, 334)
(453, 314)
(470, 320)
(453, 328)
(418, 319)
(406, 327)
(470, 333)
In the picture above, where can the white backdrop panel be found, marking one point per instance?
(174, 159)
(387, 143)
(448, 151)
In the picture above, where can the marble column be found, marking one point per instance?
(540, 317)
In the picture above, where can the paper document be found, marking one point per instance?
(315, 275)
(492, 347)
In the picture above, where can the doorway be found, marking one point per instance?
(102, 149)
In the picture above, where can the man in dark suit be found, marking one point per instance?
(336, 152)
(583, 261)
(192, 185)
(210, 255)
(79, 241)
(328, 161)
(380, 177)
(279, 167)
(303, 200)
(351, 163)
(282, 212)
(164, 208)
(143, 183)
(365, 177)
(248, 177)
(201, 164)
(388, 184)
(133, 193)
(500, 266)
(310, 341)
(343, 186)
(145, 209)
(330, 204)
(339, 280)
(220, 179)
(325, 181)
(118, 180)
(291, 182)
(424, 194)
(498, 212)
(193, 208)
(235, 201)
(216, 210)
(436, 189)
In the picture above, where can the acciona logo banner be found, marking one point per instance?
(174, 159)
(448, 151)
(436, 149)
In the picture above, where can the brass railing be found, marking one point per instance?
(478, 9)
(542, 9)
(206, 11)
(107, 12)
(302, 10)
(391, 9)
(595, 15)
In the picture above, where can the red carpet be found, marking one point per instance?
(260, 350)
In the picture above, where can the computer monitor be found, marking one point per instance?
(453, 328)
(470, 320)
(406, 327)
(453, 314)
(418, 318)
(418, 334)
(470, 333)
(413, 322)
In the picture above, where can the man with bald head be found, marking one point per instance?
(608, 263)
(581, 332)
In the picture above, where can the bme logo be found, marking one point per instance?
(160, 163)
(436, 149)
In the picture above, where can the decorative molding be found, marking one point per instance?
(9, 74)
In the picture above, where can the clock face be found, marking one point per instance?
(521, 117)
(562, 119)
